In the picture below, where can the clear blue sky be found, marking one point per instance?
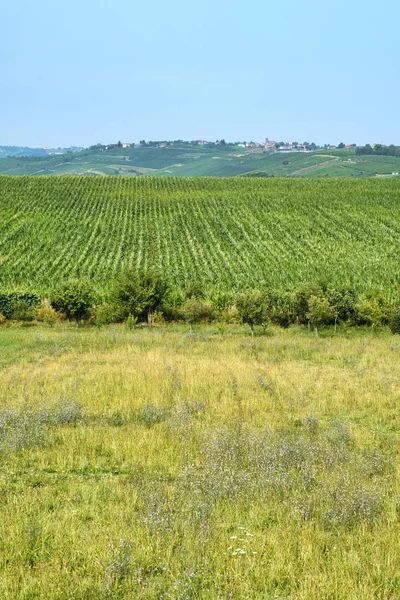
(87, 71)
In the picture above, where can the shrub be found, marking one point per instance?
(344, 301)
(194, 310)
(74, 298)
(2, 319)
(320, 312)
(395, 322)
(281, 309)
(102, 314)
(130, 322)
(158, 318)
(46, 314)
(22, 310)
(139, 294)
(18, 305)
(302, 297)
(6, 307)
(252, 308)
(373, 309)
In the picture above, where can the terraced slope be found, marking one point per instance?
(200, 161)
(224, 233)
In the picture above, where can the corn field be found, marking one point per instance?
(222, 233)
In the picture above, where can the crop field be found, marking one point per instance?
(156, 464)
(223, 233)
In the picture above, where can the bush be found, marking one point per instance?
(395, 322)
(194, 310)
(74, 298)
(373, 309)
(47, 314)
(102, 314)
(320, 312)
(2, 319)
(344, 302)
(138, 294)
(301, 299)
(130, 322)
(18, 305)
(281, 309)
(22, 310)
(6, 308)
(252, 308)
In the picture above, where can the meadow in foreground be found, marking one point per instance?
(151, 463)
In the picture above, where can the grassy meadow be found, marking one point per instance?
(154, 463)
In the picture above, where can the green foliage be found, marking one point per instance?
(395, 322)
(46, 314)
(281, 309)
(195, 309)
(19, 305)
(301, 299)
(378, 149)
(373, 309)
(138, 293)
(6, 307)
(320, 312)
(189, 160)
(252, 307)
(343, 301)
(102, 314)
(74, 298)
(130, 322)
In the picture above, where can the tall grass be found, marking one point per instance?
(151, 464)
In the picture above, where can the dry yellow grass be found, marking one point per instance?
(101, 508)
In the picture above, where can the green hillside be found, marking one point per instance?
(224, 233)
(192, 161)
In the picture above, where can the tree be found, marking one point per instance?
(194, 309)
(74, 298)
(320, 312)
(252, 308)
(301, 298)
(139, 293)
(341, 145)
(373, 309)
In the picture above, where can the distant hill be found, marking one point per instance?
(18, 151)
(192, 161)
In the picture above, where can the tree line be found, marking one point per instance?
(379, 149)
(148, 296)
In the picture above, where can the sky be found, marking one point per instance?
(88, 71)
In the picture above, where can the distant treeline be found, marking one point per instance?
(379, 149)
